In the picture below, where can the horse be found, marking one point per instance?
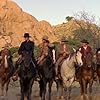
(47, 73)
(98, 63)
(27, 74)
(6, 70)
(86, 74)
(68, 72)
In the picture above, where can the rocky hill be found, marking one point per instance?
(76, 30)
(14, 22)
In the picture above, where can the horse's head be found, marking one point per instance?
(27, 59)
(78, 57)
(5, 55)
(88, 59)
(52, 52)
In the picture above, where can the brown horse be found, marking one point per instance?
(86, 74)
(6, 69)
(98, 63)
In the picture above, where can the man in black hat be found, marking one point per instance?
(26, 46)
(85, 48)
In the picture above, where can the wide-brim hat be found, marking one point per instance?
(27, 35)
(45, 38)
(85, 41)
(63, 39)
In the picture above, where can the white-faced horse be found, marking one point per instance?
(68, 70)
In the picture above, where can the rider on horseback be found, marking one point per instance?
(63, 53)
(28, 47)
(7, 52)
(85, 48)
(43, 47)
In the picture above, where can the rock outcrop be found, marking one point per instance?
(14, 22)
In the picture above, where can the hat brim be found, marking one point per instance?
(27, 36)
(46, 40)
(85, 42)
(64, 41)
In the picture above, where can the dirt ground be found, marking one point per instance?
(14, 92)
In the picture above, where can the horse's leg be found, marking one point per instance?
(81, 87)
(59, 89)
(90, 86)
(44, 89)
(70, 87)
(7, 84)
(22, 89)
(2, 88)
(50, 85)
(30, 89)
(84, 86)
(41, 87)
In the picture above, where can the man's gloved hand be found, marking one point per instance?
(20, 56)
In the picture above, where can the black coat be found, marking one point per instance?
(26, 47)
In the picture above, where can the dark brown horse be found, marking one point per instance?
(27, 74)
(47, 73)
(98, 63)
(87, 74)
(6, 69)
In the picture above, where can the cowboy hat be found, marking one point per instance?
(45, 37)
(27, 35)
(85, 41)
(63, 39)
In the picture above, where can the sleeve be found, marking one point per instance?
(33, 46)
(21, 48)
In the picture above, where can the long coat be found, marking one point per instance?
(26, 47)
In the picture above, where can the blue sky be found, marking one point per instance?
(55, 11)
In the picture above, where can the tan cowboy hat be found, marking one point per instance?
(85, 41)
(63, 39)
(45, 37)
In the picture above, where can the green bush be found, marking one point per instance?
(14, 50)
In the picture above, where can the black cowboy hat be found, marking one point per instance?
(85, 41)
(27, 35)
(63, 39)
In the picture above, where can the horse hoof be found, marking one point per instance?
(2, 97)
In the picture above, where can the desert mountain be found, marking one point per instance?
(14, 22)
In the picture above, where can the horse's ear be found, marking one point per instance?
(74, 49)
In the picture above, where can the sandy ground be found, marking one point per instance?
(14, 92)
